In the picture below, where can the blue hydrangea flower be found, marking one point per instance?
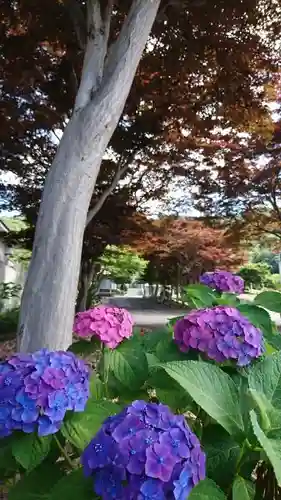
(37, 389)
(144, 453)
(222, 333)
(223, 281)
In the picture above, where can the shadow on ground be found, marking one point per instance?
(146, 312)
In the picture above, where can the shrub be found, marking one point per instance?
(255, 275)
(153, 411)
(9, 323)
(273, 281)
(223, 281)
(9, 291)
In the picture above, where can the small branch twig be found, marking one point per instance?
(119, 173)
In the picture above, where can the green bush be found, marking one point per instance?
(232, 408)
(273, 281)
(8, 323)
(229, 407)
(265, 256)
(255, 275)
(8, 291)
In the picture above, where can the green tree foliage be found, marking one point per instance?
(255, 275)
(18, 239)
(122, 265)
(268, 257)
(233, 410)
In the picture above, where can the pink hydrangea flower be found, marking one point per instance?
(110, 324)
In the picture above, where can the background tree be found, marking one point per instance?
(255, 275)
(244, 188)
(52, 48)
(122, 265)
(268, 257)
(117, 223)
(180, 250)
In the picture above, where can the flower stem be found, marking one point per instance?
(63, 452)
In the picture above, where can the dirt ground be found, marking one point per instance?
(6, 349)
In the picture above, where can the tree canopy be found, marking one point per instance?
(180, 250)
(205, 66)
(68, 71)
(122, 265)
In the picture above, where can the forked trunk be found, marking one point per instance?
(48, 301)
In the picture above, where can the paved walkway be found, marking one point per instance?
(146, 312)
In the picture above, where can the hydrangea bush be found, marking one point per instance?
(222, 333)
(144, 452)
(223, 281)
(191, 411)
(110, 324)
(37, 389)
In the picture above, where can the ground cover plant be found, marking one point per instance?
(191, 411)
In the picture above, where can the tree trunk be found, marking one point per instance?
(81, 298)
(49, 296)
(86, 283)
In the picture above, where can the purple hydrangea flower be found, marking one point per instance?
(110, 324)
(144, 453)
(222, 333)
(223, 281)
(37, 389)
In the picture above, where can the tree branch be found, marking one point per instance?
(78, 21)
(98, 28)
(106, 193)
(124, 55)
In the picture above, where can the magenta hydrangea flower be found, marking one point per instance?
(110, 324)
(222, 333)
(37, 389)
(145, 452)
(223, 281)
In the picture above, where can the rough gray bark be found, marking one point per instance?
(48, 300)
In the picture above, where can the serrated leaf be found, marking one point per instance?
(272, 447)
(228, 299)
(8, 463)
(176, 398)
(222, 453)
(167, 350)
(206, 490)
(243, 489)
(264, 381)
(200, 294)
(37, 484)
(72, 487)
(151, 339)
(269, 300)
(257, 316)
(274, 339)
(30, 450)
(172, 321)
(97, 388)
(129, 365)
(80, 428)
(152, 360)
(85, 347)
(212, 389)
